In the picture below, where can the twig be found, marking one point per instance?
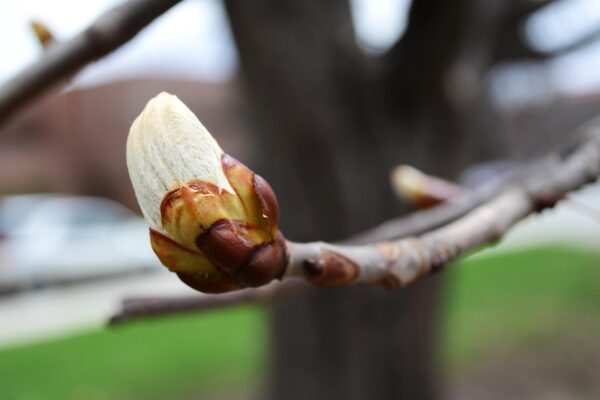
(413, 224)
(583, 209)
(479, 218)
(423, 221)
(112, 29)
(400, 262)
(421, 190)
(136, 308)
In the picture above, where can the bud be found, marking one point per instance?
(212, 220)
(421, 190)
(42, 33)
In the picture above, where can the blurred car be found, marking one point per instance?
(50, 239)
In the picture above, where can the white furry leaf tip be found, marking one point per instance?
(167, 147)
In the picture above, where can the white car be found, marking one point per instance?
(50, 239)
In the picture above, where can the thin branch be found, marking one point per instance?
(112, 29)
(478, 218)
(400, 262)
(420, 190)
(586, 40)
(423, 221)
(525, 50)
(137, 308)
(583, 209)
(413, 224)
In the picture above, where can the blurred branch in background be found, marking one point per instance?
(536, 187)
(140, 307)
(401, 262)
(112, 29)
(587, 40)
(584, 209)
(421, 190)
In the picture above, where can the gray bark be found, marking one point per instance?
(329, 125)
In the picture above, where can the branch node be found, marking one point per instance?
(332, 270)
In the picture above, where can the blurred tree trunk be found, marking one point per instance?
(330, 124)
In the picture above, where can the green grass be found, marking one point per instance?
(489, 301)
(160, 359)
(495, 300)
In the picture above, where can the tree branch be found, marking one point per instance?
(112, 29)
(136, 308)
(400, 262)
(476, 218)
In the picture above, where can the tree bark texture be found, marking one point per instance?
(330, 124)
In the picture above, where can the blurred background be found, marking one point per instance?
(322, 100)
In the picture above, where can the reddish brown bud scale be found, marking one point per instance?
(332, 270)
(313, 268)
(258, 199)
(421, 190)
(391, 282)
(221, 240)
(267, 199)
(199, 282)
(240, 177)
(547, 199)
(226, 244)
(191, 267)
(267, 262)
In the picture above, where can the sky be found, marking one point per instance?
(192, 41)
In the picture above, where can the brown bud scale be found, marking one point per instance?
(226, 245)
(220, 240)
(267, 262)
(333, 270)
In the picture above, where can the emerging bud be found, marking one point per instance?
(421, 190)
(212, 220)
(42, 33)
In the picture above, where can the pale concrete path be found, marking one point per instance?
(47, 313)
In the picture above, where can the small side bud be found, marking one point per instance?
(42, 33)
(212, 220)
(419, 189)
(331, 270)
